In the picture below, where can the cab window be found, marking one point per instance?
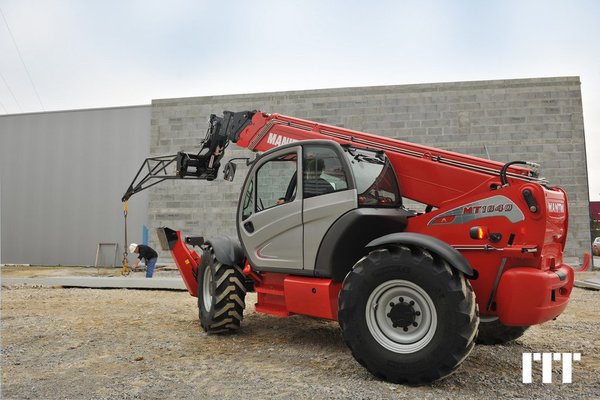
(276, 181)
(375, 179)
(322, 172)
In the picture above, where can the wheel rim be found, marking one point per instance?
(206, 288)
(401, 316)
(487, 318)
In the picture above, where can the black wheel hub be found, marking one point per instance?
(403, 314)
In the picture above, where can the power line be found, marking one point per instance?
(11, 92)
(4, 108)
(23, 62)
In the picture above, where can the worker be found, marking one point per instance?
(148, 254)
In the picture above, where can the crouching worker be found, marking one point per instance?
(148, 254)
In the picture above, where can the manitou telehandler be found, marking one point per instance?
(322, 232)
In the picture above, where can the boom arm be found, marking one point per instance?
(425, 174)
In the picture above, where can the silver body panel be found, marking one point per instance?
(277, 238)
(319, 214)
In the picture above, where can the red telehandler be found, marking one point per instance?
(322, 232)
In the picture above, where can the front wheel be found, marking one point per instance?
(221, 294)
(407, 316)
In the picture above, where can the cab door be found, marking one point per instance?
(328, 192)
(270, 213)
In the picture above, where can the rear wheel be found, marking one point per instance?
(492, 331)
(221, 294)
(407, 316)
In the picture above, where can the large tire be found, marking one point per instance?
(492, 331)
(407, 316)
(221, 294)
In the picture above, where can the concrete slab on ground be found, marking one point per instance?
(175, 283)
(592, 282)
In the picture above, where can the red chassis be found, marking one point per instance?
(525, 296)
(278, 294)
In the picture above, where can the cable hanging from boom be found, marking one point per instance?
(125, 271)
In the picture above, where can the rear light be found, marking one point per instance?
(479, 232)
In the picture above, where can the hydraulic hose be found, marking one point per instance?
(504, 179)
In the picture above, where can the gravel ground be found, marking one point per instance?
(105, 344)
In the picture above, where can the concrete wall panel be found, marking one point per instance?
(63, 175)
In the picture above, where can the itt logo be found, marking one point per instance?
(547, 359)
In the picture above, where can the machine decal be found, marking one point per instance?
(496, 206)
(278, 140)
(556, 208)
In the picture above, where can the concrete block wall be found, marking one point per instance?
(537, 119)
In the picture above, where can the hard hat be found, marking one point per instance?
(132, 247)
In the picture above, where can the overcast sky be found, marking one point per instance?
(73, 54)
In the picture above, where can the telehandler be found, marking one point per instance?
(322, 231)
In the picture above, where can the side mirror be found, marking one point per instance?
(229, 171)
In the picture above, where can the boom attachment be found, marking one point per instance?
(204, 165)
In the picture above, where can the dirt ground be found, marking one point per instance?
(107, 344)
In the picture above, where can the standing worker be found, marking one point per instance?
(148, 254)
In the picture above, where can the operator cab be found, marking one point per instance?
(295, 193)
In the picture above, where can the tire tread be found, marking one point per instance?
(456, 286)
(228, 297)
